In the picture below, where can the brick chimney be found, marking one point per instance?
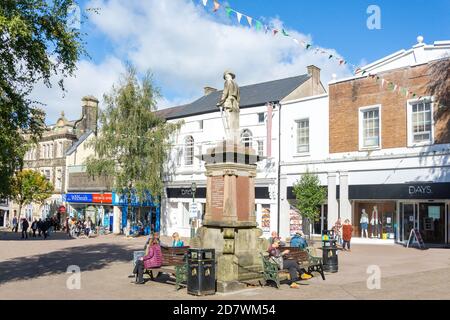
(315, 73)
(209, 90)
(89, 105)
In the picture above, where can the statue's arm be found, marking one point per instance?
(225, 94)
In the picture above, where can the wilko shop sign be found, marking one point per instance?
(89, 198)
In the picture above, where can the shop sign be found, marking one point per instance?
(79, 197)
(414, 190)
(102, 198)
(89, 197)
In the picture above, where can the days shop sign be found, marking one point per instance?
(400, 191)
(414, 190)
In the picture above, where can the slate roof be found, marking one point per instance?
(74, 147)
(251, 96)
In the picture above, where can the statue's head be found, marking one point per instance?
(228, 75)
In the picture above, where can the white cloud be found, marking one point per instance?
(186, 48)
(90, 79)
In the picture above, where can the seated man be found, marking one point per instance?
(274, 236)
(298, 240)
(277, 256)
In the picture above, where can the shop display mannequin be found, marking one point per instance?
(364, 221)
(374, 223)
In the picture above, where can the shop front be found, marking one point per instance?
(393, 210)
(181, 200)
(144, 216)
(97, 206)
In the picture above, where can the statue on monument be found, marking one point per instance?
(230, 104)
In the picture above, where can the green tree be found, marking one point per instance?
(30, 186)
(133, 142)
(36, 43)
(310, 196)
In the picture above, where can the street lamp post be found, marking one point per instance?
(193, 219)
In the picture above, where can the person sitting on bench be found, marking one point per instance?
(277, 256)
(152, 259)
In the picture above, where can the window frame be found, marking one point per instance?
(297, 121)
(263, 117)
(191, 147)
(249, 138)
(409, 114)
(361, 111)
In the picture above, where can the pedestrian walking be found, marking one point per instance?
(34, 227)
(39, 227)
(25, 226)
(88, 226)
(347, 230)
(15, 223)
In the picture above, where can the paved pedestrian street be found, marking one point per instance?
(37, 269)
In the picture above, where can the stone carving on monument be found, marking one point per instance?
(229, 224)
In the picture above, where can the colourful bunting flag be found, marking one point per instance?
(239, 16)
(216, 6)
(249, 19)
(228, 11)
(258, 25)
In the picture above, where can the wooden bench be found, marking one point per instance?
(174, 263)
(304, 259)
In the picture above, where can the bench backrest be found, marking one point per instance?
(174, 256)
(296, 253)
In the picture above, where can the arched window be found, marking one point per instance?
(189, 151)
(246, 138)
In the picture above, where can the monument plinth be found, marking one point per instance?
(229, 224)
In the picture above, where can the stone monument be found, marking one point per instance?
(229, 224)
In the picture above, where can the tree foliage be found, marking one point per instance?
(36, 43)
(133, 142)
(310, 196)
(30, 186)
(439, 85)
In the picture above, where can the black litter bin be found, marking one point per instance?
(330, 258)
(201, 279)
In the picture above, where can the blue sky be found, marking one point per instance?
(340, 24)
(186, 46)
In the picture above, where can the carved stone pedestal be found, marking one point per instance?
(229, 224)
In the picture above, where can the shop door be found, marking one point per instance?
(408, 220)
(432, 222)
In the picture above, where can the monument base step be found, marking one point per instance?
(230, 286)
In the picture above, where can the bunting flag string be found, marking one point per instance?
(308, 46)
